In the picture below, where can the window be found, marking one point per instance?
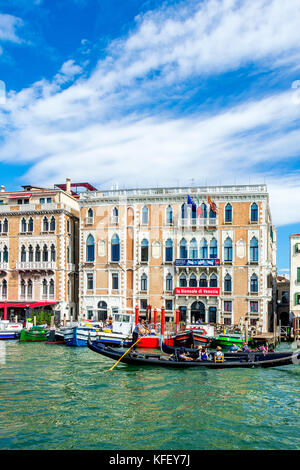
(115, 215)
(182, 281)
(5, 226)
(194, 213)
(212, 214)
(203, 280)
(193, 281)
(227, 320)
(115, 281)
(144, 282)
(227, 283)
(169, 250)
(184, 211)
(169, 215)
(5, 254)
(203, 248)
(30, 225)
(169, 304)
(53, 253)
(298, 274)
(285, 297)
(49, 200)
(145, 215)
(90, 281)
(169, 282)
(29, 289)
(42, 200)
(23, 289)
(254, 283)
(254, 212)
(144, 250)
(30, 254)
(45, 253)
(45, 288)
(156, 250)
(143, 304)
(115, 248)
(193, 249)
(228, 249)
(4, 289)
(52, 224)
(213, 282)
(228, 213)
(254, 249)
(45, 225)
(23, 254)
(212, 315)
(68, 254)
(68, 226)
(37, 254)
(183, 249)
(90, 249)
(213, 249)
(203, 211)
(227, 306)
(253, 307)
(23, 225)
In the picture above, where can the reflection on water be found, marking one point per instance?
(57, 397)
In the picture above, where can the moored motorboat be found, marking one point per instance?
(227, 340)
(139, 359)
(10, 330)
(35, 333)
(78, 335)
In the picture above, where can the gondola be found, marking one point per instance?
(138, 359)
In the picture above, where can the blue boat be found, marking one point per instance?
(78, 335)
(10, 330)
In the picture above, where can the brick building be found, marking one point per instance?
(214, 258)
(295, 278)
(38, 250)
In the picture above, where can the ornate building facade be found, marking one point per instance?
(208, 251)
(38, 250)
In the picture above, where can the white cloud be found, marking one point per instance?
(8, 28)
(96, 129)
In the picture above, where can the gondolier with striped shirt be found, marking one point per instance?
(139, 330)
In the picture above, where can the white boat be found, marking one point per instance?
(121, 332)
(10, 330)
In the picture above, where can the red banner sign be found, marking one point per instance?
(197, 290)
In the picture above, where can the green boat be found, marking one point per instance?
(230, 339)
(36, 333)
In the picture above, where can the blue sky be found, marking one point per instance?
(154, 93)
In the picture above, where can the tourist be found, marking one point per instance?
(219, 356)
(139, 330)
(203, 355)
(245, 347)
(234, 348)
(183, 356)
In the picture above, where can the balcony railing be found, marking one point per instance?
(31, 265)
(197, 222)
(3, 266)
(114, 220)
(89, 220)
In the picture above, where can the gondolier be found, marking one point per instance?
(139, 330)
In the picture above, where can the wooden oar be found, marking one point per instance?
(126, 352)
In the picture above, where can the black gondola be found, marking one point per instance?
(139, 359)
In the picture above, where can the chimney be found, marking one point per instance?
(68, 185)
(2, 189)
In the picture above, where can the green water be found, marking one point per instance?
(58, 397)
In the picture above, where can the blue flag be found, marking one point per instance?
(190, 201)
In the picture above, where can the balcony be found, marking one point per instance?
(70, 267)
(36, 266)
(197, 222)
(89, 220)
(114, 220)
(193, 262)
(3, 266)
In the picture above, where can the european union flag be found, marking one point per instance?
(190, 201)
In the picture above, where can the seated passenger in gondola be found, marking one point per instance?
(203, 355)
(245, 347)
(183, 356)
(234, 348)
(219, 356)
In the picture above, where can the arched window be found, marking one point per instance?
(203, 211)
(52, 224)
(169, 282)
(23, 289)
(156, 249)
(144, 282)
(115, 215)
(254, 212)
(145, 215)
(227, 283)
(183, 249)
(90, 213)
(254, 283)
(51, 288)
(23, 225)
(194, 213)
(254, 249)
(45, 253)
(228, 213)
(5, 254)
(184, 211)
(45, 224)
(169, 250)
(0, 226)
(45, 288)
(193, 249)
(68, 226)
(5, 226)
(203, 248)
(203, 280)
(115, 248)
(23, 254)
(4, 289)
(53, 253)
(169, 214)
(37, 254)
(213, 281)
(193, 281)
(29, 289)
(144, 250)
(182, 280)
(90, 248)
(30, 224)
(228, 249)
(213, 248)
(30, 254)
(115, 212)
(212, 214)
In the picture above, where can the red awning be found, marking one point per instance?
(25, 304)
(16, 196)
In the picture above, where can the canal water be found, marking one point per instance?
(58, 397)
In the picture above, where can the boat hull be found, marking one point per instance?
(33, 335)
(9, 335)
(78, 337)
(157, 360)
